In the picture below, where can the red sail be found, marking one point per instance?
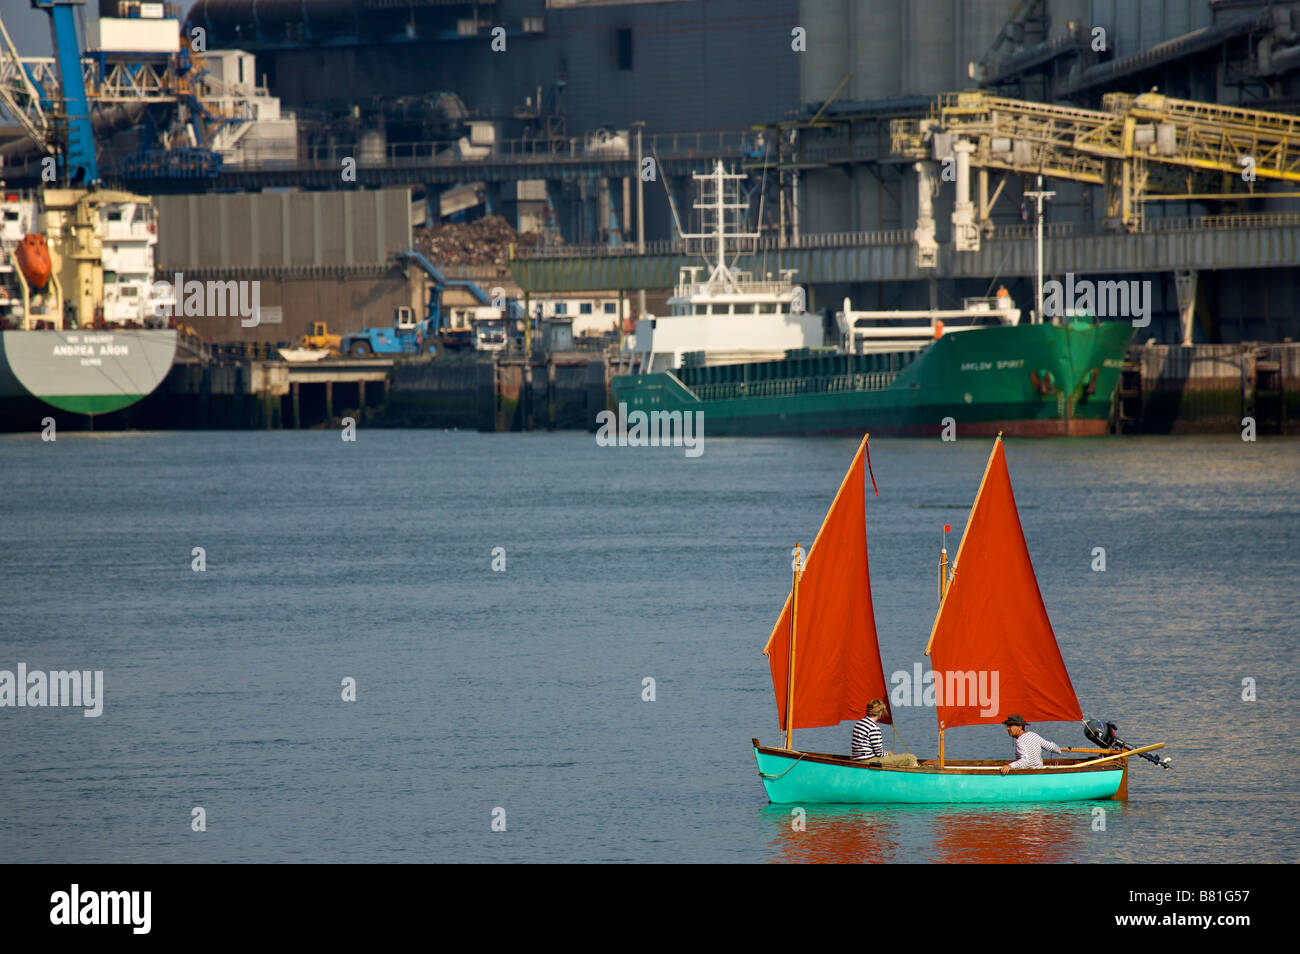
(837, 667)
(993, 624)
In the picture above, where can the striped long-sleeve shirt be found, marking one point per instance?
(1029, 750)
(867, 742)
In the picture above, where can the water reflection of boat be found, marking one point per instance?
(945, 834)
(836, 834)
(998, 834)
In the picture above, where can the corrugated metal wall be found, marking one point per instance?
(922, 47)
(282, 230)
(914, 48)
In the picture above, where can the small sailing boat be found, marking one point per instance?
(825, 663)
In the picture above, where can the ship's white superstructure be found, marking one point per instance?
(867, 332)
(19, 216)
(128, 236)
(726, 317)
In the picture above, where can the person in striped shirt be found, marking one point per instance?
(1029, 745)
(869, 745)
(867, 740)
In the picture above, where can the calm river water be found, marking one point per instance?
(521, 689)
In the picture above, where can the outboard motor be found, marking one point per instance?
(1102, 734)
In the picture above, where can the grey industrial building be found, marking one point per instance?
(803, 95)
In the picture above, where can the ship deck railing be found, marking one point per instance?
(767, 289)
(789, 387)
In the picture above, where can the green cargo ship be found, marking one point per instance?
(1033, 380)
(749, 356)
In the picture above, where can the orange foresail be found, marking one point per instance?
(992, 637)
(837, 668)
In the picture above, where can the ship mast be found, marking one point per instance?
(1039, 195)
(722, 215)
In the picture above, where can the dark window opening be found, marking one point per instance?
(624, 38)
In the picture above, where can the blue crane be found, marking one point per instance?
(79, 165)
(430, 334)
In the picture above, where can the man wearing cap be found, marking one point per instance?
(1029, 745)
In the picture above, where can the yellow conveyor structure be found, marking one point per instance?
(1139, 148)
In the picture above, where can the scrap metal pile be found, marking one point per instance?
(485, 241)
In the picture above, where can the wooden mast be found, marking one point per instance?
(789, 664)
(789, 669)
(797, 567)
(943, 573)
(944, 582)
(943, 590)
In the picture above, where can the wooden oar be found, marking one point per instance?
(1119, 755)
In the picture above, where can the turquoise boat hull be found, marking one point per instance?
(812, 778)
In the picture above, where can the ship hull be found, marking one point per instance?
(1027, 380)
(812, 778)
(85, 371)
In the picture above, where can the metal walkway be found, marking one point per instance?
(1221, 242)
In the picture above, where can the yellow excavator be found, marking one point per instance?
(320, 338)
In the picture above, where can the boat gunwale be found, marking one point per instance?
(949, 768)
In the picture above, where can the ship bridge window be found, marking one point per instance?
(766, 307)
(115, 215)
(744, 309)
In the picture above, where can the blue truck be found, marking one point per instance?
(430, 334)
